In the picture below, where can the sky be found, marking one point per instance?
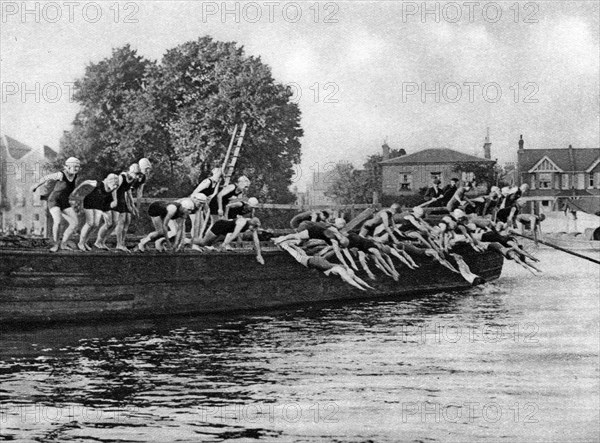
(419, 75)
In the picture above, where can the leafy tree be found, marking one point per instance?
(104, 93)
(180, 113)
(346, 184)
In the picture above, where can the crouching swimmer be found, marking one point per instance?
(96, 205)
(231, 229)
(321, 264)
(161, 214)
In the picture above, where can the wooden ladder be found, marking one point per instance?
(231, 160)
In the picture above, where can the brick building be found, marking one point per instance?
(560, 174)
(407, 174)
(20, 167)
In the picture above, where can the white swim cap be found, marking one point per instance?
(144, 163)
(495, 189)
(199, 197)
(134, 168)
(188, 204)
(243, 180)
(339, 223)
(418, 211)
(253, 202)
(72, 161)
(112, 178)
(458, 213)
(505, 190)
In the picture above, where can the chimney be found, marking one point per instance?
(386, 150)
(521, 143)
(487, 146)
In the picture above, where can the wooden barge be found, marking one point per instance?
(38, 286)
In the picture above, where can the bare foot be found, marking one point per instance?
(122, 248)
(141, 247)
(54, 248)
(101, 246)
(88, 247)
(197, 248)
(81, 247)
(66, 247)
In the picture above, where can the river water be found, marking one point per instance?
(514, 360)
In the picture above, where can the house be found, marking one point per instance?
(558, 175)
(20, 167)
(407, 174)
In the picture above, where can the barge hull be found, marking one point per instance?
(40, 287)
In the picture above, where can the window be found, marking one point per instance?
(565, 181)
(405, 182)
(591, 181)
(36, 217)
(468, 177)
(545, 180)
(580, 181)
(19, 217)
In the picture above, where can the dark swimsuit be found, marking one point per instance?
(121, 191)
(360, 243)
(214, 203)
(319, 231)
(243, 210)
(138, 182)
(159, 209)
(211, 189)
(60, 194)
(98, 199)
(224, 227)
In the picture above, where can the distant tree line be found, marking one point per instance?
(348, 185)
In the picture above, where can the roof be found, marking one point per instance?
(16, 149)
(50, 153)
(435, 156)
(569, 160)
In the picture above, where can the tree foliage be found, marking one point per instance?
(348, 185)
(180, 113)
(345, 184)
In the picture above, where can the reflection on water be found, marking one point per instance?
(515, 360)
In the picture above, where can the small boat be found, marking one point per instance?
(37, 286)
(574, 241)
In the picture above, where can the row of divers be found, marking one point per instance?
(223, 214)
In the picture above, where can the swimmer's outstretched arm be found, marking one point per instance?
(259, 257)
(362, 258)
(54, 176)
(350, 259)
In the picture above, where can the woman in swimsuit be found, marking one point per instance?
(218, 204)
(161, 214)
(96, 205)
(231, 229)
(121, 209)
(58, 201)
(209, 187)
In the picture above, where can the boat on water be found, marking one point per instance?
(37, 286)
(574, 241)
